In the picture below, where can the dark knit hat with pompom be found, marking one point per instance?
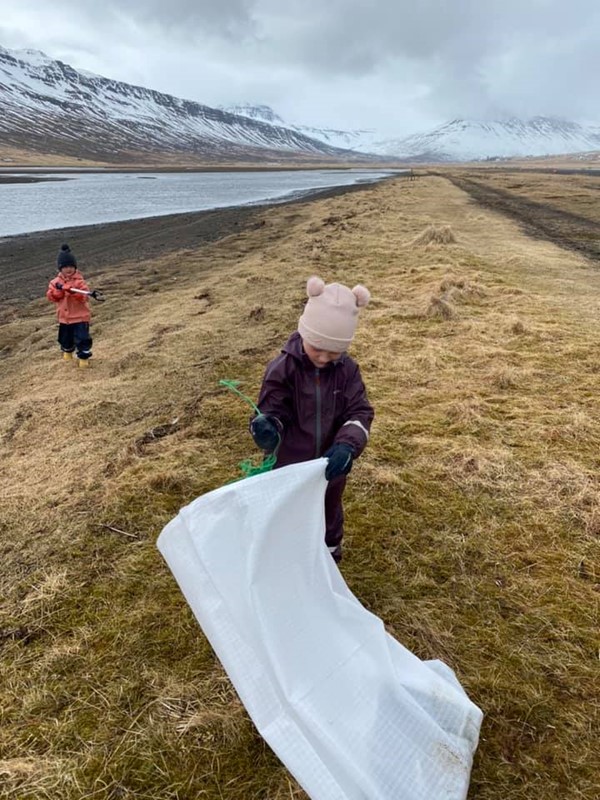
(65, 257)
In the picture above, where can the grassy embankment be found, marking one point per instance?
(473, 516)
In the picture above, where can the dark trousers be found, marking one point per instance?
(75, 336)
(334, 516)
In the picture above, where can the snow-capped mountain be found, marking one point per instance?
(47, 106)
(459, 140)
(359, 140)
(50, 107)
(472, 140)
(262, 113)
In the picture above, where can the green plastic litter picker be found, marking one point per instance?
(247, 467)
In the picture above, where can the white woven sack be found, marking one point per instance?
(350, 711)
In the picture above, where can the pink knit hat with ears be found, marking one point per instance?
(331, 314)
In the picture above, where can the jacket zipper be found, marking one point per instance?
(318, 412)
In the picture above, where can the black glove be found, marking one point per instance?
(340, 458)
(58, 286)
(265, 433)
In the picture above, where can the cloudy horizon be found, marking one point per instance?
(388, 65)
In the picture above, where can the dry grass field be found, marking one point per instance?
(577, 194)
(473, 518)
(11, 156)
(564, 209)
(586, 160)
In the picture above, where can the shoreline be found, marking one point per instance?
(27, 260)
(33, 178)
(345, 167)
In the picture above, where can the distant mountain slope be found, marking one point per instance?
(459, 140)
(470, 140)
(358, 140)
(48, 106)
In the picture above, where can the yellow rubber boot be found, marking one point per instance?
(83, 363)
(68, 356)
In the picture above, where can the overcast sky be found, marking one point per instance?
(398, 66)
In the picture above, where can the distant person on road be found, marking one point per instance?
(72, 308)
(313, 401)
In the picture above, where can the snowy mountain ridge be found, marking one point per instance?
(458, 140)
(359, 140)
(474, 140)
(49, 106)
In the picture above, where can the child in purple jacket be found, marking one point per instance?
(313, 402)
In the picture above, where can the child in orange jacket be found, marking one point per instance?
(72, 309)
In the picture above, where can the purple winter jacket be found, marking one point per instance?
(315, 407)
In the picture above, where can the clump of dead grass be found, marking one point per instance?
(453, 289)
(435, 234)
(441, 308)
(517, 327)
(504, 377)
(460, 289)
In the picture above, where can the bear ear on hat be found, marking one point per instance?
(362, 294)
(315, 286)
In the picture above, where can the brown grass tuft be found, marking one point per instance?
(440, 307)
(435, 234)
(461, 290)
(504, 377)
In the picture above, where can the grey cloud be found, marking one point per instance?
(460, 48)
(351, 35)
(446, 58)
(432, 28)
(184, 19)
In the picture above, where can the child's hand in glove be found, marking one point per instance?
(265, 433)
(340, 460)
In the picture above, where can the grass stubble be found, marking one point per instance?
(473, 517)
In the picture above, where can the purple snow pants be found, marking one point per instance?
(334, 517)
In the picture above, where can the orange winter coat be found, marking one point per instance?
(69, 307)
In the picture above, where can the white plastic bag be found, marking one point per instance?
(350, 711)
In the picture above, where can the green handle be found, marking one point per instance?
(232, 386)
(247, 468)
